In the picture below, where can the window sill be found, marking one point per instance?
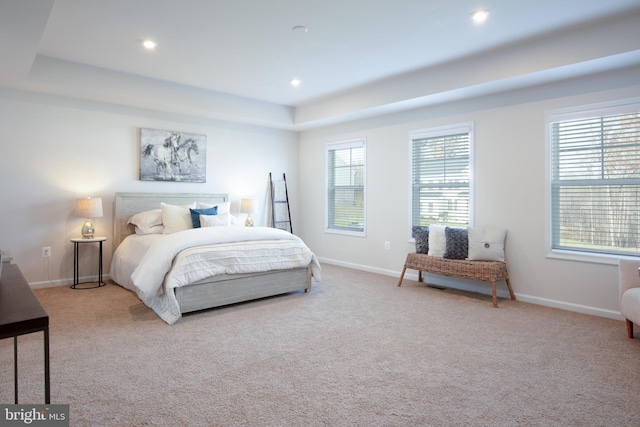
(593, 258)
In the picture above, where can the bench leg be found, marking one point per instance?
(402, 276)
(493, 292)
(513, 296)
(420, 276)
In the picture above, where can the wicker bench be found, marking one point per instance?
(487, 271)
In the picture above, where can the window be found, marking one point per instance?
(441, 173)
(345, 187)
(595, 180)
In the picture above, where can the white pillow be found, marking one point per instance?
(212, 221)
(486, 244)
(223, 220)
(176, 218)
(145, 221)
(154, 229)
(437, 240)
(223, 207)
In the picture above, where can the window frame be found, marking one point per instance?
(434, 132)
(337, 145)
(567, 114)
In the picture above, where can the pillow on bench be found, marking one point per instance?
(457, 243)
(437, 240)
(421, 235)
(486, 244)
(472, 243)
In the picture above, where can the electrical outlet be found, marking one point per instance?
(387, 245)
(46, 251)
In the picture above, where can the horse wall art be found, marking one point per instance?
(172, 156)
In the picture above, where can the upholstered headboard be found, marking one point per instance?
(128, 204)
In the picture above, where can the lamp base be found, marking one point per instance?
(87, 230)
(248, 222)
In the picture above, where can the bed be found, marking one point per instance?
(151, 263)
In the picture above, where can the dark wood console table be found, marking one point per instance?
(20, 314)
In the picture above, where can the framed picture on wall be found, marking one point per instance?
(172, 156)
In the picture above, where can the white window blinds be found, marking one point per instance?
(346, 187)
(595, 182)
(441, 176)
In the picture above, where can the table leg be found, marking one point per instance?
(15, 367)
(76, 278)
(100, 267)
(47, 382)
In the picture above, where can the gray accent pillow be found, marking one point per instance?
(421, 234)
(457, 241)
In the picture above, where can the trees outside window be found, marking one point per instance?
(595, 180)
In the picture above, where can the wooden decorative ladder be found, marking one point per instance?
(280, 211)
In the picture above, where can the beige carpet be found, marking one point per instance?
(356, 351)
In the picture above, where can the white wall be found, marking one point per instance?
(509, 189)
(55, 150)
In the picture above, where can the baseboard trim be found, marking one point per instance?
(471, 286)
(578, 308)
(360, 267)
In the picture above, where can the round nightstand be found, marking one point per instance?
(76, 244)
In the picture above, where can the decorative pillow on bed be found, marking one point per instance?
(457, 245)
(145, 221)
(220, 220)
(437, 240)
(486, 244)
(195, 215)
(223, 207)
(176, 218)
(421, 235)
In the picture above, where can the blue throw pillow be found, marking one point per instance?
(421, 234)
(457, 243)
(195, 214)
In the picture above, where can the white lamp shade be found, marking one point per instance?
(89, 207)
(247, 206)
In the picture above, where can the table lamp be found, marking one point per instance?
(88, 208)
(248, 206)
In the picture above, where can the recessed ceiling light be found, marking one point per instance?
(149, 44)
(479, 16)
(300, 29)
(295, 82)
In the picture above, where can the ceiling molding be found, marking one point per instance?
(605, 45)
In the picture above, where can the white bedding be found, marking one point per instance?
(153, 265)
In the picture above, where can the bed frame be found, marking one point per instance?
(218, 290)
